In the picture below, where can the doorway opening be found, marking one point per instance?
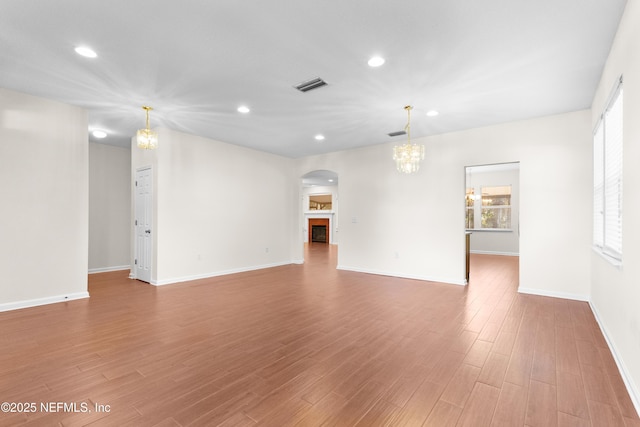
(320, 207)
(492, 215)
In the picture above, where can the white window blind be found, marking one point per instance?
(598, 186)
(613, 178)
(607, 174)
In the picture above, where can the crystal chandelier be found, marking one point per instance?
(408, 156)
(146, 138)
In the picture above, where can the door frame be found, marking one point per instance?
(146, 275)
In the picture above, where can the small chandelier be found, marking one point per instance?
(147, 138)
(408, 156)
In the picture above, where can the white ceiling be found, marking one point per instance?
(478, 62)
(322, 178)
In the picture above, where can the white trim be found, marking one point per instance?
(632, 388)
(405, 276)
(545, 293)
(108, 269)
(319, 212)
(215, 274)
(489, 230)
(617, 263)
(495, 253)
(42, 301)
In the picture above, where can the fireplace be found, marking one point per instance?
(319, 233)
(319, 230)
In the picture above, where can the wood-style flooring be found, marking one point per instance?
(309, 345)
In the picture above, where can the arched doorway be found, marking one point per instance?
(320, 208)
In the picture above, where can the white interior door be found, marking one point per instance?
(143, 225)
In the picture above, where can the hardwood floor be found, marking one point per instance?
(309, 345)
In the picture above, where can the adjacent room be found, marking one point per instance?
(382, 214)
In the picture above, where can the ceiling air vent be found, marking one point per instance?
(310, 84)
(398, 133)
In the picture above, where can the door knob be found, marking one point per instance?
(147, 231)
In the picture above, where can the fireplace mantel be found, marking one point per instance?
(310, 216)
(319, 212)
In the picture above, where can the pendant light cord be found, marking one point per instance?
(408, 126)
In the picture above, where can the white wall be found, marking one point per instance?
(615, 292)
(413, 225)
(109, 207)
(499, 242)
(219, 208)
(44, 193)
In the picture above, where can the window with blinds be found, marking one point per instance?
(607, 178)
(493, 206)
(496, 207)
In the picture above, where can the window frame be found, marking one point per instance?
(494, 207)
(478, 207)
(470, 208)
(608, 159)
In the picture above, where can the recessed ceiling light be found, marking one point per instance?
(376, 61)
(330, 180)
(99, 134)
(86, 52)
(243, 109)
(432, 113)
(319, 137)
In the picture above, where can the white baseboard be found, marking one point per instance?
(632, 388)
(545, 293)
(215, 274)
(108, 269)
(495, 253)
(446, 280)
(42, 301)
